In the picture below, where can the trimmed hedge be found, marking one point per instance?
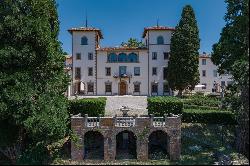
(164, 105)
(186, 106)
(90, 106)
(208, 116)
(202, 101)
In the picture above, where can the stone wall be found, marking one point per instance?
(142, 127)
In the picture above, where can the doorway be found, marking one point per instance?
(123, 88)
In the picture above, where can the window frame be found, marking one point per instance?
(90, 71)
(106, 71)
(137, 69)
(84, 40)
(78, 56)
(154, 73)
(204, 61)
(154, 55)
(166, 55)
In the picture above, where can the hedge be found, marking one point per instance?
(208, 116)
(164, 105)
(187, 106)
(91, 106)
(202, 101)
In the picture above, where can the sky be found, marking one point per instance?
(121, 19)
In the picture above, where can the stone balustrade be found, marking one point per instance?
(141, 126)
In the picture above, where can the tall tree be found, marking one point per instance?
(183, 64)
(32, 79)
(231, 54)
(133, 42)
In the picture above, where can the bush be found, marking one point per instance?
(208, 116)
(187, 106)
(164, 105)
(202, 101)
(90, 106)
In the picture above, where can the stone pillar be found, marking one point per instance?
(142, 149)
(174, 147)
(109, 148)
(77, 150)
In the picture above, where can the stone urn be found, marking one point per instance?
(124, 110)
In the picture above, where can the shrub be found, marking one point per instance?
(202, 101)
(187, 106)
(90, 106)
(164, 105)
(208, 116)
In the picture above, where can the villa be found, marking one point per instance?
(136, 71)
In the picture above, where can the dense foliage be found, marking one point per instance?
(32, 79)
(202, 101)
(208, 116)
(231, 54)
(133, 42)
(164, 105)
(185, 44)
(91, 106)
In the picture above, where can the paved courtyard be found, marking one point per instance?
(137, 104)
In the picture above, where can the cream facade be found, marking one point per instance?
(209, 76)
(128, 71)
(120, 70)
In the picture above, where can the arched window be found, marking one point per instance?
(160, 40)
(112, 57)
(84, 40)
(132, 57)
(122, 57)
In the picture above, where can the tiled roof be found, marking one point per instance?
(87, 29)
(156, 28)
(204, 56)
(120, 48)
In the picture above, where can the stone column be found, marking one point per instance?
(142, 149)
(109, 148)
(77, 150)
(174, 146)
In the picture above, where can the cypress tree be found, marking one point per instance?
(183, 64)
(32, 78)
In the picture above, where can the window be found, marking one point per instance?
(90, 56)
(132, 57)
(90, 87)
(84, 40)
(137, 87)
(166, 88)
(215, 73)
(205, 86)
(154, 88)
(223, 83)
(77, 73)
(112, 57)
(154, 55)
(154, 71)
(166, 55)
(160, 40)
(78, 56)
(108, 71)
(204, 61)
(122, 70)
(203, 73)
(90, 71)
(108, 87)
(137, 71)
(122, 57)
(165, 69)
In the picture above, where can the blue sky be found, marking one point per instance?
(121, 19)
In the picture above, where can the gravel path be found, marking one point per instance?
(137, 104)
